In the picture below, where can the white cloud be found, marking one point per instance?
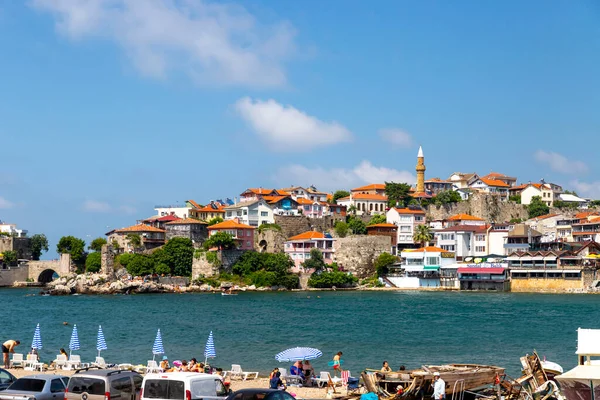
(585, 189)
(560, 163)
(128, 209)
(210, 42)
(340, 178)
(96, 206)
(397, 137)
(287, 128)
(5, 204)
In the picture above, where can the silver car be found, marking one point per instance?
(36, 387)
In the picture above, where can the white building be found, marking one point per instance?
(421, 268)
(12, 230)
(406, 219)
(181, 211)
(491, 186)
(464, 240)
(463, 181)
(299, 192)
(252, 213)
(548, 192)
(365, 203)
(464, 219)
(571, 198)
(497, 234)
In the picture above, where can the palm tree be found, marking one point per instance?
(422, 235)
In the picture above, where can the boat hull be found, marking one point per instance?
(580, 389)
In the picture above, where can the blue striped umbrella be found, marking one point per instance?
(100, 342)
(74, 343)
(298, 354)
(158, 348)
(37, 339)
(209, 349)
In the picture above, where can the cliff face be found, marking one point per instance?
(487, 207)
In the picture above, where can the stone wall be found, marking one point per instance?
(11, 275)
(62, 267)
(269, 241)
(6, 243)
(546, 285)
(358, 253)
(488, 207)
(107, 261)
(229, 257)
(294, 225)
(202, 268)
(23, 247)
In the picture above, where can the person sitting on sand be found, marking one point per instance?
(272, 374)
(308, 370)
(386, 367)
(164, 364)
(184, 366)
(193, 365)
(276, 382)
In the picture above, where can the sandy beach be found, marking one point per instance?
(236, 384)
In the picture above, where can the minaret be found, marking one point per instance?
(420, 171)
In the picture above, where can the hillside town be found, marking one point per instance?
(467, 232)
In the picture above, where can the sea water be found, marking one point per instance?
(404, 328)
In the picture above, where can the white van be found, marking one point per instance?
(183, 386)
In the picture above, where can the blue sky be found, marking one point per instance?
(108, 107)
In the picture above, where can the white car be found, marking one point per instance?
(183, 386)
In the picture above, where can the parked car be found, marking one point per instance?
(260, 394)
(104, 384)
(6, 379)
(183, 386)
(36, 387)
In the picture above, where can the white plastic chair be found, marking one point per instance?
(323, 378)
(100, 362)
(32, 363)
(17, 360)
(236, 371)
(152, 367)
(73, 362)
(60, 361)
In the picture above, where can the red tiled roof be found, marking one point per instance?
(421, 195)
(308, 236)
(303, 201)
(186, 221)
(368, 196)
(209, 208)
(464, 217)
(230, 224)
(494, 182)
(373, 186)
(193, 203)
(260, 191)
(382, 225)
(431, 249)
(466, 228)
(168, 218)
(408, 211)
(140, 228)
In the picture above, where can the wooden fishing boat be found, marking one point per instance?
(415, 383)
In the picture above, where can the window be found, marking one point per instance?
(480, 249)
(245, 212)
(91, 385)
(121, 388)
(249, 243)
(29, 385)
(57, 386)
(239, 213)
(264, 213)
(480, 238)
(248, 232)
(418, 218)
(432, 261)
(229, 213)
(164, 389)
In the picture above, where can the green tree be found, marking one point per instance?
(123, 259)
(93, 262)
(266, 269)
(339, 194)
(315, 261)
(75, 247)
(352, 209)
(422, 234)
(357, 226)
(537, 207)
(222, 240)
(140, 264)
(595, 203)
(162, 269)
(178, 254)
(377, 219)
(97, 244)
(331, 279)
(565, 204)
(447, 197)
(39, 244)
(383, 262)
(515, 198)
(214, 221)
(134, 239)
(269, 227)
(10, 257)
(341, 229)
(397, 193)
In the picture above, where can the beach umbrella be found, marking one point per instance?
(298, 354)
(158, 348)
(100, 342)
(209, 349)
(37, 339)
(74, 343)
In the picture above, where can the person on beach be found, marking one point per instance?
(296, 369)
(439, 387)
(337, 363)
(272, 374)
(7, 348)
(164, 364)
(386, 367)
(308, 370)
(276, 382)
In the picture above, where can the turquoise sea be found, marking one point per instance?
(409, 328)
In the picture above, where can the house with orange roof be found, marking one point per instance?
(422, 268)
(253, 194)
(385, 229)
(437, 185)
(334, 210)
(253, 213)
(282, 204)
(366, 203)
(548, 192)
(464, 219)
(464, 240)
(151, 237)
(509, 180)
(547, 226)
(406, 219)
(212, 210)
(309, 193)
(159, 222)
(298, 247)
(374, 188)
(310, 208)
(463, 180)
(491, 186)
(243, 234)
(587, 229)
(189, 228)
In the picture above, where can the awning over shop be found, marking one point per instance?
(431, 268)
(474, 270)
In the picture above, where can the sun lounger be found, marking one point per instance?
(60, 361)
(324, 378)
(17, 360)
(32, 363)
(152, 367)
(236, 371)
(291, 380)
(100, 363)
(73, 362)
